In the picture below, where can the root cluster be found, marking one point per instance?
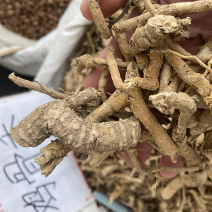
(94, 125)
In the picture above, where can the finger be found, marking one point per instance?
(166, 161)
(108, 7)
(143, 150)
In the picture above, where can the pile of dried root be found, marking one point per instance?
(144, 194)
(89, 123)
(31, 19)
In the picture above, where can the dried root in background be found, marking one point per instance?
(184, 193)
(31, 19)
(95, 126)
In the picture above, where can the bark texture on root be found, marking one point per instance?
(52, 155)
(56, 118)
(195, 80)
(176, 9)
(99, 18)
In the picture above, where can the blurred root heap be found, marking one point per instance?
(89, 123)
(184, 193)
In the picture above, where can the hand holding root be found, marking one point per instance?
(99, 131)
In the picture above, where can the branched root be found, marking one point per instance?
(103, 84)
(36, 87)
(164, 101)
(52, 155)
(195, 80)
(56, 118)
(150, 82)
(156, 29)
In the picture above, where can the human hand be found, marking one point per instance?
(201, 23)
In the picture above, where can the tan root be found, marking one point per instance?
(99, 18)
(152, 33)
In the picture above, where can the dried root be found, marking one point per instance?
(150, 81)
(152, 33)
(168, 83)
(195, 80)
(36, 87)
(99, 62)
(81, 61)
(164, 101)
(139, 108)
(99, 19)
(176, 9)
(142, 60)
(123, 46)
(78, 135)
(113, 68)
(52, 155)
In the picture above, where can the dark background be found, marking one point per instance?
(7, 87)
